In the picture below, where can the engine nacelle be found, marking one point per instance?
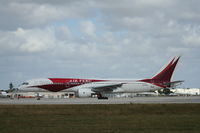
(85, 93)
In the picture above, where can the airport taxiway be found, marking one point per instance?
(134, 100)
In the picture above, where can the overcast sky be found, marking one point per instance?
(98, 39)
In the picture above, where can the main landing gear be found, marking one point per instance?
(99, 96)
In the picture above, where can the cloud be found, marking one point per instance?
(27, 41)
(35, 40)
(88, 28)
(27, 14)
(192, 38)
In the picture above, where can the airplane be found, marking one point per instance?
(100, 87)
(4, 94)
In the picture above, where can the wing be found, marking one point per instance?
(108, 88)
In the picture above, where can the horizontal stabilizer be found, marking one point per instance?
(173, 84)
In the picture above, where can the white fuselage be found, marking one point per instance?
(128, 86)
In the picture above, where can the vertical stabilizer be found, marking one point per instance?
(166, 74)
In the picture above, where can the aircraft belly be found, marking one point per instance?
(31, 89)
(131, 88)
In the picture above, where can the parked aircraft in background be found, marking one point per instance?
(4, 94)
(89, 87)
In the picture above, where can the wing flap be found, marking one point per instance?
(109, 87)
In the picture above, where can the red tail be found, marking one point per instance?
(163, 78)
(166, 74)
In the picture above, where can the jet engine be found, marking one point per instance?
(85, 93)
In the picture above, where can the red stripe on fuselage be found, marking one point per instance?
(73, 80)
(60, 84)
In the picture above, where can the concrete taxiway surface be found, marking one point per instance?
(134, 100)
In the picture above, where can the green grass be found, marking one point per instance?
(130, 118)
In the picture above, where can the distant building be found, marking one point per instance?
(186, 91)
(43, 94)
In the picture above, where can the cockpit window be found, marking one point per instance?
(25, 83)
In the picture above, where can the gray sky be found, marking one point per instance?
(98, 39)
